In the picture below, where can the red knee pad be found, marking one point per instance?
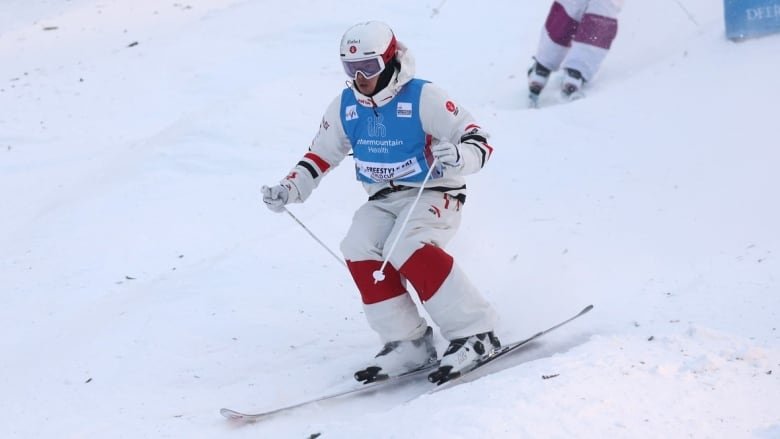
(560, 26)
(373, 292)
(427, 269)
(597, 30)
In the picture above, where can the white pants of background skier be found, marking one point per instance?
(578, 34)
(450, 298)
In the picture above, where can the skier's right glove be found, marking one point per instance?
(447, 154)
(275, 197)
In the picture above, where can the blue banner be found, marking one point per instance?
(751, 18)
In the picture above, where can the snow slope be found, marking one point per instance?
(143, 285)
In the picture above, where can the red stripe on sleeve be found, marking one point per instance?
(322, 164)
(490, 149)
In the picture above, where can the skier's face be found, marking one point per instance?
(365, 85)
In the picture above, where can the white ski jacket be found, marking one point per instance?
(441, 118)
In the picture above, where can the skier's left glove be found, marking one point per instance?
(447, 154)
(275, 197)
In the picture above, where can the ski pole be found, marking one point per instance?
(688, 13)
(315, 237)
(379, 275)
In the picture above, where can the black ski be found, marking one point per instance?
(391, 381)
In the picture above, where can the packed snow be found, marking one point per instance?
(144, 285)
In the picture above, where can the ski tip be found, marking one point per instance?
(232, 414)
(587, 308)
(227, 413)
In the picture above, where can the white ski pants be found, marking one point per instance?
(578, 35)
(448, 296)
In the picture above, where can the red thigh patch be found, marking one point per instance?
(371, 292)
(427, 269)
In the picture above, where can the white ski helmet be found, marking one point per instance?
(367, 48)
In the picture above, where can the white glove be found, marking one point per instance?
(447, 154)
(275, 197)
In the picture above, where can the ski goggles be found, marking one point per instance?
(369, 67)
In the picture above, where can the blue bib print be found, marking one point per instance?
(388, 142)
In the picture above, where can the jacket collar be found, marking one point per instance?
(399, 79)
